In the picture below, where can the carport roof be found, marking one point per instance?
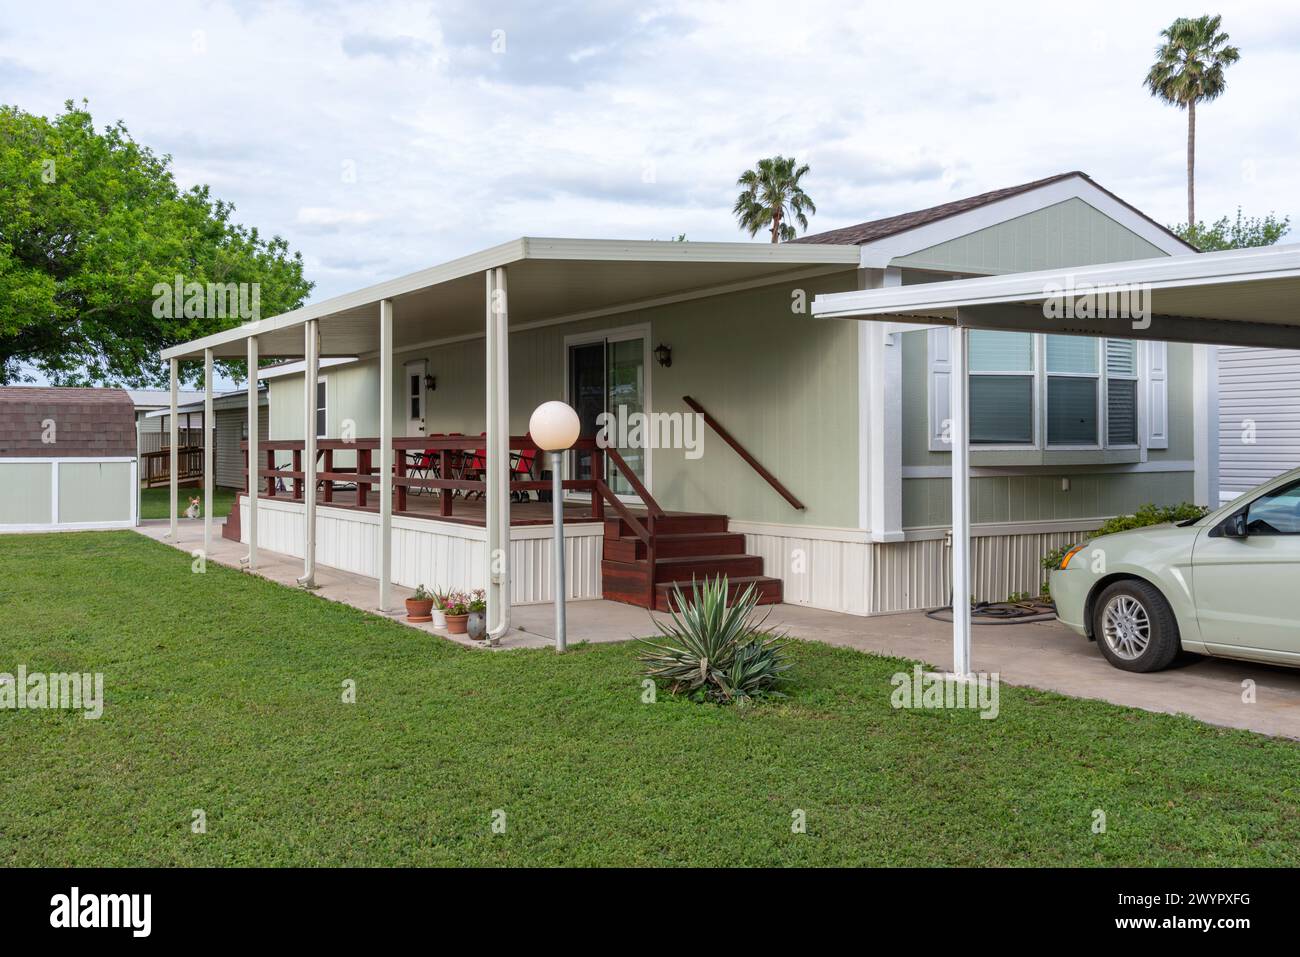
(1236, 297)
(547, 280)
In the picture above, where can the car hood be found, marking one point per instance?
(1169, 542)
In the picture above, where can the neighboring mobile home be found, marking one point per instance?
(1259, 416)
(846, 419)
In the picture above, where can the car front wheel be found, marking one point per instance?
(1135, 627)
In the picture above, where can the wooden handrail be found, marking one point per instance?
(625, 513)
(641, 491)
(740, 450)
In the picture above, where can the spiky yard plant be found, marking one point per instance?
(714, 651)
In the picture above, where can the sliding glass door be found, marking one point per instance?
(607, 374)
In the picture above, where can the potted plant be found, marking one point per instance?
(476, 624)
(439, 608)
(457, 611)
(418, 606)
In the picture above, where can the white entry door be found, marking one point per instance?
(414, 395)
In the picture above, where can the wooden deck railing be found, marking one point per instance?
(155, 467)
(455, 466)
(740, 450)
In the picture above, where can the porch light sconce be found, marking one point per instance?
(430, 383)
(554, 426)
(664, 354)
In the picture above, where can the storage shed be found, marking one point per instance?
(67, 459)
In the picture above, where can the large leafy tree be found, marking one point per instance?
(1189, 67)
(90, 223)
(1241, 233)
(771, 195)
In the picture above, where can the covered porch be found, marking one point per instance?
(475, 483)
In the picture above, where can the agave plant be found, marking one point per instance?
(714, 651)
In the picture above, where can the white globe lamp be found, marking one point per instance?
(554, 427)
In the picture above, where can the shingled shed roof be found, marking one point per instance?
(87, 423)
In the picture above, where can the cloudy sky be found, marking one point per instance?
(382, 137)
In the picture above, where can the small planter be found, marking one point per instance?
(456, 624)
(419, 609)
(439, 618)
(476, 626)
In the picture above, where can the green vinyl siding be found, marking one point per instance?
(26, 499)
(1069, 233)
(1000, 499)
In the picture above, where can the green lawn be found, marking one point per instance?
(223, 693)
(156, 502)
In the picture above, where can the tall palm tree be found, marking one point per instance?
(1189, 70)
(771, 195)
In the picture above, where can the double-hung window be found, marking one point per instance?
(1002, 383)
(1121, 392)
(1056, 392)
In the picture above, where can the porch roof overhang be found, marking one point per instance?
(550, 280)
(1239, 297)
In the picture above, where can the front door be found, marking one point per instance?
(414, 396)
(608, 375)
(1246, 589)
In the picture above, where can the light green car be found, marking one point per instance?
(1226, 585)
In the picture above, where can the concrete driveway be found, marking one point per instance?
(1041, 655)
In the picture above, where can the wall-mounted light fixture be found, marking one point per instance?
(430, 383)
(664, 354)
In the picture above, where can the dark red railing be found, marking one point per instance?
(460, 469)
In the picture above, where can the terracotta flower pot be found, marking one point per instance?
(456, 624)
(419, 610)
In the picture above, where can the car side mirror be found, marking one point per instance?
(1236, 527)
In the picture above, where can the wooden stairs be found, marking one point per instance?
(686, 546)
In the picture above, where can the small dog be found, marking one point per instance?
(193, 510)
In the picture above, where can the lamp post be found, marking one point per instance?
(554, 426)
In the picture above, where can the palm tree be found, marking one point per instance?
(771, 195)
(1189, 70)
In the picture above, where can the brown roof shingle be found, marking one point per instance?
(87, 423)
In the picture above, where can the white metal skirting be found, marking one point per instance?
(431, 553)
(841, 570)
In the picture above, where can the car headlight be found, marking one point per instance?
(1065, 562)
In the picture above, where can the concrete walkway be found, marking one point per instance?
(1042, 655)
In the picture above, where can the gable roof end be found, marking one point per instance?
(876, 229)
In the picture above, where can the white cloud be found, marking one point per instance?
(382, 137)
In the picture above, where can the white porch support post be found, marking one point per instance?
(961, 623)
(880, 419)
(311, 372)
(208, 432)
(253, 453)
(173, 455)
(498, 456)
(1205, 414)
(385, 454)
